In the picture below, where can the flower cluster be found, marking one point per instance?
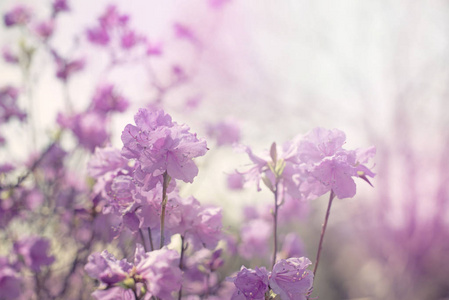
(289, 279)
(312, 165)
(154, 273)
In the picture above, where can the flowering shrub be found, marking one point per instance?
(76, 209)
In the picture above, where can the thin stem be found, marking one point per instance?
(151, 239)
(323, 230)
(275, 216)
(181, 266)
(164, 204)
(135, 294)
(143, 240)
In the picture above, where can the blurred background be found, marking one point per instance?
(378, 70)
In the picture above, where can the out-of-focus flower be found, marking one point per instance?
(33, 251)
(10, 281)
(200, 226)
(183, 31)
(250, 284)
(44, 29)
(105, 160)
(111, 18)
(89, 128)
(19, 15)
(107, 99)
(9, 56)
(255, 234)
(65, 68)
(218, 3)
(129, 39)
(98, 35)
(226, 132)
(290, 278)
(292, 246)
(8, 105)
(60, 6)
(235, 181)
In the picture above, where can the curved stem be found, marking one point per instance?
(323, 230)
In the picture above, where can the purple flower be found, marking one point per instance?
(33, 251)
(320, 143)
(107, 99)
(106, 160)
(161, 145)
(290, 278)
(328, 167)
(159, 270)
(106, 268)
(278, 169)
(250, 284)
(19, 15)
